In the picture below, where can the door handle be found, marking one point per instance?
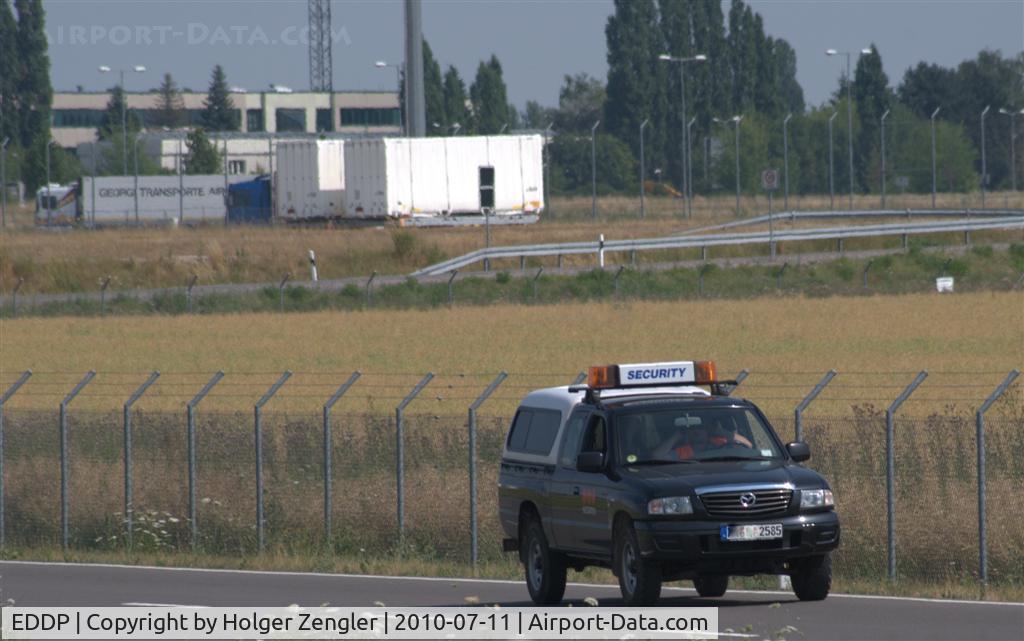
(576, 490)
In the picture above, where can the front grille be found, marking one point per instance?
(767, 502)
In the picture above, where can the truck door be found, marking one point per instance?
(562, 503)
(591, 490)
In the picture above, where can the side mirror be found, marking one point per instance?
(590, 462)
(798, 451)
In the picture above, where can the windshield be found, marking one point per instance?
(693, 435)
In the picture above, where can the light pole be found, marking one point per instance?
(1013, 147)
(849, 110)
(682, 119)
(3, 183)
(934, 113)
(831, 172)
(689, 168)
(124, 111)
(884, 116)
(785, 161)
(593, 171)
(736, 121)
(643, 213)
(380, 64)
(984, 165)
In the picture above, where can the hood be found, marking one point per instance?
(682, 478)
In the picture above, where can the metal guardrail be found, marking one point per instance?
(712, 240)
(861, 213)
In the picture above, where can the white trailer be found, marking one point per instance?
(172, 200)
(310, 180)
(434, 179)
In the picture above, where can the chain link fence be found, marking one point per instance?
(935, 474)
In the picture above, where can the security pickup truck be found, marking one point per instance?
(643, 471)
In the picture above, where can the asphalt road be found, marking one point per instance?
(766, 613)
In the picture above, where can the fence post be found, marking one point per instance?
(190, 412)
(369, 289)
(128, 504)
(617, 275)
(188, 292)
(473, 548)
(103, 296)
(980, 424)
(864, 275)
(890, 461)
(742, 376)
(64, 455)
(451, 292)
(581, 378)
(540, 270)
(328, 440)
(400, 453)
(258, 432)
(280, 290)
(798, 413)
(14, 298)
(3, 401)
(779, 274)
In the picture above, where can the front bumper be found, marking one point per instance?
(697, 545)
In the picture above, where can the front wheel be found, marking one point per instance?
(545, 569)
(639, 580)
(812, 577)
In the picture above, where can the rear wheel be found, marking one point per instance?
(812, 577)
(639, 580)
(545, 568)
(711, 585)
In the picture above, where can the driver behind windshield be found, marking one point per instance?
(694, 436)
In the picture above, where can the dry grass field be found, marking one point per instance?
(77, 260)
(967, 342)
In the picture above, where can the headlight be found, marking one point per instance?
(670, 505)
(816, 498)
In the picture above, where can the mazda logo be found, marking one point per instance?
(748, 499)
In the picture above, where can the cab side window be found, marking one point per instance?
(595, 438)
(571, 440)
(534, 431)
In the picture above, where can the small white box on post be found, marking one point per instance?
(944, 284)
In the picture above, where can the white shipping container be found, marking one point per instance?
(402, 177)
(158, 199)
(310, 180)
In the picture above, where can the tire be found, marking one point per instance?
(545, 569)
(639, 580)
(812, 578)
(711, 585)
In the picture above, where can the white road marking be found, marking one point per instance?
(143, 604)
(596, 586)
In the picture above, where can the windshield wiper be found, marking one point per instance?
(660, 461)
(737, 458)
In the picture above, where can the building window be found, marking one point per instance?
(77, 117)
(323, 120)
(371, 117)
(236, 167)
(291, 119)
(254, 120)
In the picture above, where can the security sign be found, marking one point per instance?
(770, 179)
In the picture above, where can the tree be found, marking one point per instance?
(580, 103)
(110, 125)
(490, 98)
(455, 99)
(202, 156)
(791, 93)
(536, 116)
(34, 94)
(926, 87)
(219, 113)
(871, 94)
(634, 93)
(433, 92)
(170, 107)
(571, 170)
(10, 63)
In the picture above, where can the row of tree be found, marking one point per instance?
(753, 75)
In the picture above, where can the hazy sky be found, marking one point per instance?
(538, 42)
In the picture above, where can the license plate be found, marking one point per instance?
(759, 532)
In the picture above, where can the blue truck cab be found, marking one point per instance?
(250, 202)
(645, 472)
